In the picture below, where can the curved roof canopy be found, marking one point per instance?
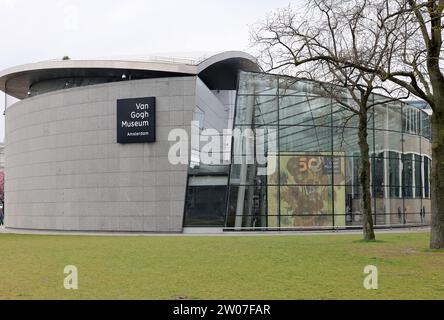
(218, 71)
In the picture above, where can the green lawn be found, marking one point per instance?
(263, 267)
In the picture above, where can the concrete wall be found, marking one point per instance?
(65, 170)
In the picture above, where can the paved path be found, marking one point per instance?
(226, 234)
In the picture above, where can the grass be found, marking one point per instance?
(262, 267)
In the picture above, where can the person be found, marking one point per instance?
(1, 217)
(399, 215)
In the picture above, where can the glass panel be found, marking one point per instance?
(306, 221)
(418, 177)
(342, 116)
(394, 116)
(426, 147)
(231, 206)
(426, 210)
(386, 209)
(346, 140)
(407, 176)
(309, 169)
(411, 143)
(377, 169)
(301, 138)
(353, 209)
(244, 104)
(388, 141)
(351, 172)
(426, 165)
(381, 117)
(340, 204)
(272, 200)
(317, 142)
(306, 200)
(385, 117)
(411, 120)
(256, 83)
(381, 216)
(265, 111)
(248, 206)
(413, 211)
(425, 125)
(295, 110)
(298, 110)
(394, 174)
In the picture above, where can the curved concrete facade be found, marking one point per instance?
(65, 170)
(17, 81)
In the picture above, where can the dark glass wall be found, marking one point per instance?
(205, 206)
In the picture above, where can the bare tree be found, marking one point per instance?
(368, 45)
(320, 43)
(416, 64)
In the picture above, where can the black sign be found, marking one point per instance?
(136, 120)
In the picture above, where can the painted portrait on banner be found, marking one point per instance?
(307, 194)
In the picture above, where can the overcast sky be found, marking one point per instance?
(50, 29)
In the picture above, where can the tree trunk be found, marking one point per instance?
(364, 179)
(437, 182)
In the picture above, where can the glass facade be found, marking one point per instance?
(306, 173)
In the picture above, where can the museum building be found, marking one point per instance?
(88, 147)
